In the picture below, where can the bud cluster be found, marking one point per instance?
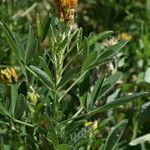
(66, 9)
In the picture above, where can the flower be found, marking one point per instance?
(32, 97)
(125, 36)
(66, 9)
(7, 74)
(94, 124)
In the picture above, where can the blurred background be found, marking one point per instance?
(130, 20)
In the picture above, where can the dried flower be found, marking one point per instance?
(66, 9)
(7, 74)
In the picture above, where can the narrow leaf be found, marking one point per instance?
(20, 106)
(111, 51)
(80, 135)
(45, 67)
(69, 75)
(51, 131)
(46, 27)
(3, 111)
(90, 59)
(31, 46)
(14, 96)
(140, 140)
(97, 88)
(108, 84)
(9, 38)
(19, 47)
(42, 76)
(93, 39)
(118, 102)
(115, 135)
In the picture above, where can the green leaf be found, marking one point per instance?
(31, 46)
(108, 84)
(2, 147)
(81, 134)
(84, 86)
(93, 39)
(63, 147)
(111, 51)
(90, 59)
(3, 111)
(20, 106)
(51, 131)
(45, 67)
(140, 140)
(14, 96)
(45, 79)
(115, 135)
(46, 27)
(9, 37)
(118, 102)
(68, 76)
(97, 88)
(19, 47)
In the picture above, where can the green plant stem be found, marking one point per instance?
(78, 112)
(72, 86)
(23, 123)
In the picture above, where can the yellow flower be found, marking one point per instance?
(95, 124)
(32, 97)
(125, 36)
(7, 74)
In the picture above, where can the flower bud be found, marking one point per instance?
(66, 9)
(7, 74)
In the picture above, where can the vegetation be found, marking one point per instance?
(72, 76)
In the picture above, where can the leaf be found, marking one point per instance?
(115, 135)
(84, 86)
(20, 106)
(45, 67)
(89, 60)
(118, 102)
(51, 131)
(111, 51)
(10, 39)
(14, 96)
(93, 39)
(140, 140)
(42, 76)
(81, 134)
(2, 147)
(68, 76)
(19, 47)
(46, 27)
(31, 46)
(97, 88)
(63, 147)
(3, 111)
(144, 113)
(109, 83)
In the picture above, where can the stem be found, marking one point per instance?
(78, 112)
(72, 85)
(23, 123)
